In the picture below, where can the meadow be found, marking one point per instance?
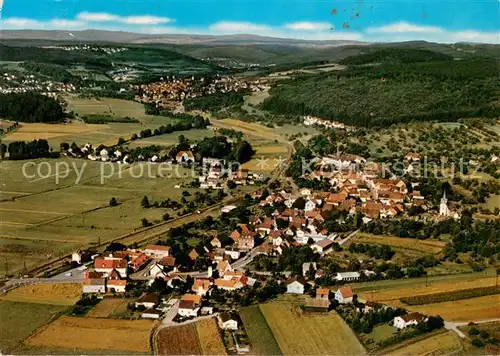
(320, 334)
(260, 334)
(46, 293)
(107, 307)
(81, 133)
(441, 344)
(210, 338)
(94, 333)
(43, 218)
(20, 320)
(426, 246)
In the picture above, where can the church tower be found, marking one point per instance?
(443, 207)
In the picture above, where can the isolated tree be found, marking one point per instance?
(121, 141)
(145, 202)
(113, 202)
(145, 222)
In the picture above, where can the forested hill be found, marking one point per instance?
(427, 88)
(396, 55)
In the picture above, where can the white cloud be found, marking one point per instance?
(475, 36)
(404, 27)
(97, 16)
(145, 20)
(231, 28)
(308, 26)
(67, 24)
(20, 23)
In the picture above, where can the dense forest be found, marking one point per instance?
(30, 107)
(28, 150)
(398, 55)
(214, 102)
(394, 92)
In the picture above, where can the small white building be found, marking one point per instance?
(94, 286)
(344, 295)
(76, 257)
(188, 308)
(347, 276)
(157, 251)
(227, 322)
(306, 267)
(409, 319)
(295, 285)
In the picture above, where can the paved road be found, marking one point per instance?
(75, 274)
(454, 326)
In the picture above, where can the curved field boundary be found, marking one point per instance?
(261, 336)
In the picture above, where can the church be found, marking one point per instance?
(445, 211)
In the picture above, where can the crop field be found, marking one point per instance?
(95, 134)
(427, 246)
(474, 309)
(19, 320)
(261, 337)
(94, 333)
(319, 333)
(393, 290)
(106, 307)
(46, 293)
(42, 217)
(172, 138)
(441, 344)
(179, 340)
(210, 338)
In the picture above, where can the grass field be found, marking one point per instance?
(210, 338)
(441, 344)
(474, 309)
(94, 333)
(82, 133)
(261, 337)
(173, 138)
(310, 334)
(19, 320)
(106, 307)
(46, 293)
(179, 340)
(427, 246)
(42, 218)
(392, 286)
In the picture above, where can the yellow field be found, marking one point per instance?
(248, 128)
(31, 131)
(210, 337)
(474, 309)
(441, 344)
(46, 293)
(92, 333)
(393, 294)
(310, 334)
(427, 246)
(106, 307)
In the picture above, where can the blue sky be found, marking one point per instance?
(382, 20)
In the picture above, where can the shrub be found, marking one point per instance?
(474, 331)
(477, 343)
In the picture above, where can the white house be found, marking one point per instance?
(157, 251)
(76, 257)
(344, 295)
(184, 156)
(347, 276)
(118, 285)
(94, 286)
(295, 285)
(108, 264)
(188, 308)
(226, 322)
(310, 205)
(409, 319)
(322, 246)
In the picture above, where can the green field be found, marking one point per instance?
(47, 219)
(173, 138)
(19, 320)
(261, 337)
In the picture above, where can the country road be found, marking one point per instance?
(454, 326)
